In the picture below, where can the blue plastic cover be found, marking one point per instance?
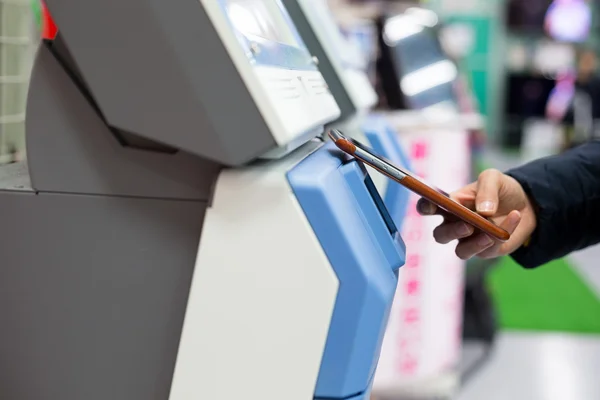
(362, 396)
(365, 251)
(383, 140)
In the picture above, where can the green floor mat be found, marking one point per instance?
(550, 298)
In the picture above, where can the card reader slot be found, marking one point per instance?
(379, 204)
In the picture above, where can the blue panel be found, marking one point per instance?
(382, 139)
(362, 396)
(365, 251)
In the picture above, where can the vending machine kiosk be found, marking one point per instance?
(180, 230)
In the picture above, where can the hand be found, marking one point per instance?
(496, 196)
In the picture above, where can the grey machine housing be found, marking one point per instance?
(129, 121)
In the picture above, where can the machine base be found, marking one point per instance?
(93, 291)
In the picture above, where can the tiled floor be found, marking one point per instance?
(587, 263)
(538, 367)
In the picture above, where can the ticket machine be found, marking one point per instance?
(343, 69)
(180, 230)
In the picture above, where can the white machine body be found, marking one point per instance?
(273, 312)
(259, 263)
(285, 302)
(293, 283)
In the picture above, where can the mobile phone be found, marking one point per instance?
(416, 185)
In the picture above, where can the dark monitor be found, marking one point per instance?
(414, 71)
(526, 98)
(527, 16)
(527, 95)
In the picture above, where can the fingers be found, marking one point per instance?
(488, 189)
(471, 247)
(426, 208)
(449, 231)
(510, 224)
(464, 196)
(483, 245)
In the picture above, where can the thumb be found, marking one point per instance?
(510, 225)
(488, 188)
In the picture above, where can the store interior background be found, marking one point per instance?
(546, 322)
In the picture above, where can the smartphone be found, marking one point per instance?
(416, 185)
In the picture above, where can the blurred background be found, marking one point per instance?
(524, 76)
(529, 68)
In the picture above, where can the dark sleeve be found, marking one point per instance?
(566, 191)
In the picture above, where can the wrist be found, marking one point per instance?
(529, 219)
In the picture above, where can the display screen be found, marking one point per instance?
(527, 15)
(418, 51)
(428, 76)
(267, 34)
(261, 21)
(527, 95)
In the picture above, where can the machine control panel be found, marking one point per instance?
(290, 89)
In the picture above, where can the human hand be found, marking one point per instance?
(494, 195)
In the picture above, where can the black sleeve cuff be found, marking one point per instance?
(566, 191)
(544, 245)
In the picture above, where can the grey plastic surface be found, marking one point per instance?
(70, 149)
(93, 292)
(336, 86)
(159, 69)
(14, 177)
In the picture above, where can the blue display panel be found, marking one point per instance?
(267, 34)
(383, 140)
(365, 250)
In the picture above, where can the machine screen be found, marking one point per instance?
(418, 51)
(261, 21)
(267, 34)
(428, 75)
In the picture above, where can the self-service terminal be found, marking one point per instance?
(342, 67)
(180, 231)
